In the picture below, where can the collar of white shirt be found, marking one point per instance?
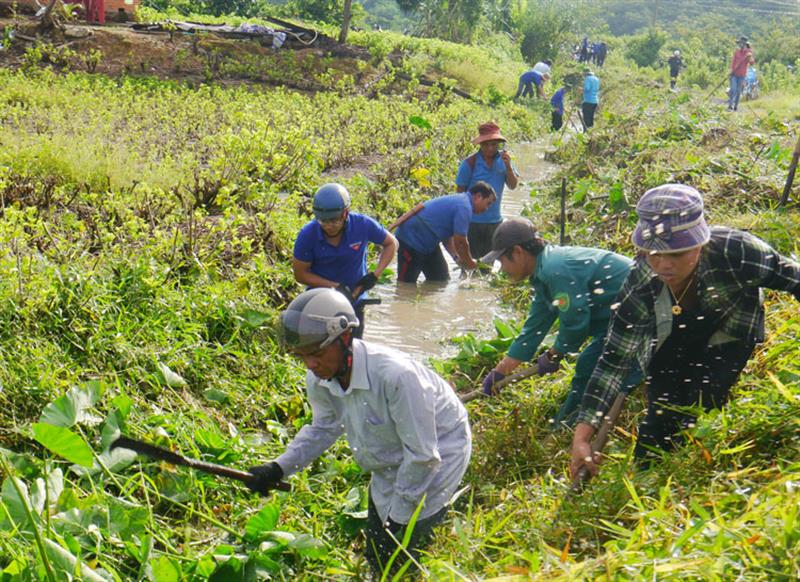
(359, 380)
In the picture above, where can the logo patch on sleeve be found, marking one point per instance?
(355, 246)
(561, 301)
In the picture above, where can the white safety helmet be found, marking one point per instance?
(677, 53)
(316, 318)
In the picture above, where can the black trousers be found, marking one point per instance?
(381, 546)
(410, 263)
(556, 121)
(479, 237)
(588, 114)
(686, 376)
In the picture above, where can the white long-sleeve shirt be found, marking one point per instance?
(404, 424)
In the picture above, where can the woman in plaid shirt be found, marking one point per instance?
(690, 311)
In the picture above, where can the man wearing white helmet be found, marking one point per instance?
(675, 65)
(331, 251)
(404, 423)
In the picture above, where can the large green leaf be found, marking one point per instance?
(74, 407)
(308, 546)
(262, 522)
(64, 443)
(14, 502)
(164, 570)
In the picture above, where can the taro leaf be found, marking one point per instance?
(254, 319)
(503, 329)
(65, 562)
(616, 197)
(111, 430)
(216, 395)
(231, 571)
(262, 522)
(308, 546)
(127, 519)
(123, 403)
(164, 570)
(419, 121)
(204, 567)
(64, 443)
(38, 495)
(264, 561)
(169, 378)
(14, 504)
(74, 406)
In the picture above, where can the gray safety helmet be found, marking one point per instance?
(330, 201)
(316, 318)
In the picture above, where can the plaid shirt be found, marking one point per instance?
(733, 266)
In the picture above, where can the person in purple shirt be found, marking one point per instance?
(331, 251)
(491, 164)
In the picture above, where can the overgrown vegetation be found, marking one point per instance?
(144, 246)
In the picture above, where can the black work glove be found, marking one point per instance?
(266, 477)
(346, 291)
(367, 282)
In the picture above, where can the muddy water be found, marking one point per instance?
(419, 319)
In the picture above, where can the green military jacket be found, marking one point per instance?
(577, 286)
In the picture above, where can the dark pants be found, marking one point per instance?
(588, 114)
(479, 237)
(381, 546)
(686, 376)
(673, 78)
(556, 121)
(584, 366)
(410, 263)
(359, 331)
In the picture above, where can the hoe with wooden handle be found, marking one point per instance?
(174, 458)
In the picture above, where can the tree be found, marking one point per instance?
(547, 26)
(644, 49)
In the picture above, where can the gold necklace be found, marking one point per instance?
(677, 309)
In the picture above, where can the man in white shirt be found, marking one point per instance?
(403, 422)
(542, 67)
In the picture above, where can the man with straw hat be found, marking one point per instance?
(490, 164)
(690, 311)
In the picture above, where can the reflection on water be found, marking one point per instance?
(419, 319)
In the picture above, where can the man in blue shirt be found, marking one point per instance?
(574, 285)
(491, 164)
(591, 97)
(557, 102)
(331, 251)
(444, 219)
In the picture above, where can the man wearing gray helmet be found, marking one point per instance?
(404, 423)
(331, 251)
(690, 311)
